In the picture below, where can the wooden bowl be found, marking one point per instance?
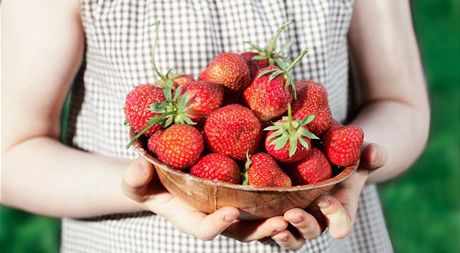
(253, 202)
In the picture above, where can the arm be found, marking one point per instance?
(394, 113)
(43, 45)
(392, 89)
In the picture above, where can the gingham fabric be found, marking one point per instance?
(118, 53)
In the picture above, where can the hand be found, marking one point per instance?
(336, 211)
(140, 183)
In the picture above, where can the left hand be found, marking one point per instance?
(339, 208)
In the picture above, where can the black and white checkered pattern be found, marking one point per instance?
(119, 38)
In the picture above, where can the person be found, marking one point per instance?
(105, 47)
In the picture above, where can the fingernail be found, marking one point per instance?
(324, 203)
(298, 219)
(230, 217)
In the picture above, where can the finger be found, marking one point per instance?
(287, 240)
(338, 219)
(136, 177)
(373, 156)
(214, 224)
(304, 222)
(247, 231)
(196, 223)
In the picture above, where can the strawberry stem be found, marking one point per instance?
(155, 43)
(304, 52)
(272, 43)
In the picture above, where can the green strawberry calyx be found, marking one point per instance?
(284, 69)
(172, 110)
(292, 131)
(270, 52)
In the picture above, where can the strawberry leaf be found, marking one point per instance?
(280, 142)
(304, 143)
(292, 145)
(307, 120)
(151, 122)
(255, 47)
(305, 132)
(277, 133)
(177, 92)
(168, 92)
(259, 57)
(281, 63)
(286, 46)
(275, 74)
(264, 72)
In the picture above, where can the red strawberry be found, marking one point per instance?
(203, 98)
(269, 94)
(312, 100)
(137, 107)
(233, 130)
(182, 79)
(267, 98)
(254, 65)
(288, 140)
(314, 168)
(300, 84)
(342, 144)
(153, 141)
(262, 171)
(180, 146)
(228, 69)
(217, 167)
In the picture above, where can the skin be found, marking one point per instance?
(42, 47)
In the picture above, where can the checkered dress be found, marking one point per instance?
(118, 48)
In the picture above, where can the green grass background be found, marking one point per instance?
(422, 206)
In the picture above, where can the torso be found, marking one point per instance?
(119, 38)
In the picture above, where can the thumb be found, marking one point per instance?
(136, 179)
(373, 156)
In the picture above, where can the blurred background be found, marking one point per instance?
(422, 207)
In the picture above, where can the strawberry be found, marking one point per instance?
(254, 65)
(137, 107)
(182, 79)
(228, 69)
(268, 99)
(271, 92)
(288, 140)
(342, 144)
(191, 101)
(312, 100)
(203, 98)
(270, 55)
(312, 169)
(217, 167)
(262, 171)
(153, 141)
(233, 130)
(180, 146)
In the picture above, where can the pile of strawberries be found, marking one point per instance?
(244, 121)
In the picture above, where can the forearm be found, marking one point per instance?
(43, 176)
(400, 128)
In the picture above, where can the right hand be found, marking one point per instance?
(141, 184)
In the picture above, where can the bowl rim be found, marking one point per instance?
(343, 175)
